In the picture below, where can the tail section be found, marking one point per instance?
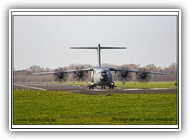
(98, 48)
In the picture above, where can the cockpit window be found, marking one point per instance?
(105, 71)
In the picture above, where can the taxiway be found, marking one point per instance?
(85, 90)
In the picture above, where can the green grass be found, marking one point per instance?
(146, 85)
(55, 107)
(130, 84)
(72, 83)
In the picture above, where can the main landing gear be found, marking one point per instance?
(91, 86)
(111, 86)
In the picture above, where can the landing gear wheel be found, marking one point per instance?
(91, 87)
(111, 87)
(103, 87)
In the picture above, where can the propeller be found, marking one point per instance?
(124, 76)
(60, 75)
(143, 76)
(80, 75)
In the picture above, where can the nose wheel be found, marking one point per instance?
(103, 87)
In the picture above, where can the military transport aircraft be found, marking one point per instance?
(101, 76)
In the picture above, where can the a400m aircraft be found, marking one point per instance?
(101, 76)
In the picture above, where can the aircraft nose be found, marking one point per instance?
(103, 78)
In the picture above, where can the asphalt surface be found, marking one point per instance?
(85, 90)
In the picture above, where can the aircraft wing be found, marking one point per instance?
(44, 73)
(136, 71)
(80, 70)
(160, 73)
(122, 70)
(64, 71)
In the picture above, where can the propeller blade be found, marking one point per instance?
(124, 75)
(80, 75)
(143, 76)
(60, 75)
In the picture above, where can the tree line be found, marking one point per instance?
(27, 76)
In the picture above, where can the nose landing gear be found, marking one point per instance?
(103, 87)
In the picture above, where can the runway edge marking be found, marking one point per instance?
(31, 87)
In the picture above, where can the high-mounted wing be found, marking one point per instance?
(141, 74)
(136, 71)
(122, 70)
(44, 73)
(66, 71)
(60, 74)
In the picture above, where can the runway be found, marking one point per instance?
(85, 90)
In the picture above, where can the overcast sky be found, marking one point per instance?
(45, 40)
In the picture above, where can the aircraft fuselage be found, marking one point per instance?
(101, 77)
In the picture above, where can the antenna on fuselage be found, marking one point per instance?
(98, 48)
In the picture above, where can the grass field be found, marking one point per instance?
(55, 107)
(129, 84)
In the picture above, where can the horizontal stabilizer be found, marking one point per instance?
(98, 48)
(83, 47)
(113, 48)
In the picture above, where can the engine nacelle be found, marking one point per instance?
(79, 74)
(124, 74)
(143, 75)
(60, 75)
